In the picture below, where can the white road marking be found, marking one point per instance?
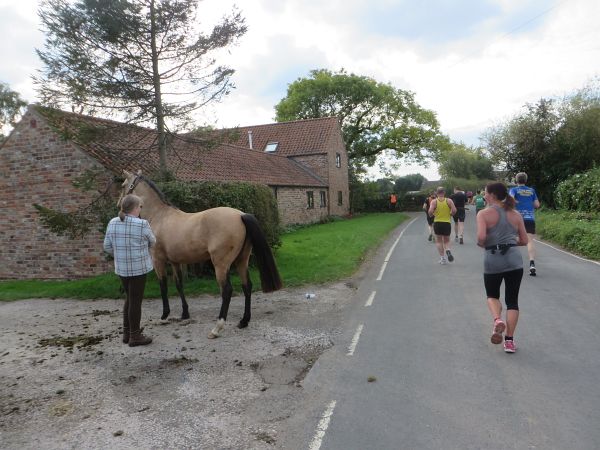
(355, 340)
(568, 253)
(389, 254)
(370, 299)
(322, 427)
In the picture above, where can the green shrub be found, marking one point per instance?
(580, 192)
(251, 198)
(576, 231)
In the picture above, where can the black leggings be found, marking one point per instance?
(512, 283)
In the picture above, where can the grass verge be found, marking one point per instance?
(572, 230)
(309, 255)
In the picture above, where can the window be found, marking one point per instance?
(271, 147)
(310, 200)
(340, 199)
(338, 160)
(323, 199)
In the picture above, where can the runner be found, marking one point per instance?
(479, 202)
(527, 203)
(459, 198)
(441, 209)
(499, 230)
(469, 197)
(426, 206)
(393, 201)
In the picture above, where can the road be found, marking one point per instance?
(416, 369)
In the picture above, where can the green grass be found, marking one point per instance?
(308, 255)
(576, 231)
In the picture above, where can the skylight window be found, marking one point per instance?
(271, 146)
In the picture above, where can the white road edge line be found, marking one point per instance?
(389, 254)
(322, 427)
(568, 253)
(355, 340)
(370, 299)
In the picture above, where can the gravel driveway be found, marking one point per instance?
(68, 381)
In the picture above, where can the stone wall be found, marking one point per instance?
(289, 199)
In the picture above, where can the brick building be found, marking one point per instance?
(304, 162)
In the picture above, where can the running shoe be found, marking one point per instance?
(510, 347)
(443, 261)
(430, 237)
(456, 238)
(499, 327)
(460, 241)
(450, 257)
(532, 270)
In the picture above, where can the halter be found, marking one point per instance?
(133, 184)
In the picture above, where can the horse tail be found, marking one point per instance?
(269, 275)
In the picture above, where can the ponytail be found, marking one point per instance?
(500, 191)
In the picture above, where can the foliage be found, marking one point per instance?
(374, 116)
(251, 198)
(580, 192)
(146, 60)
(575, 231)
(11, 107)
(550, 141)
(465, 162)
(412, 182)
(312, 254)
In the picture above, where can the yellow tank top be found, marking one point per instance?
(442, 211)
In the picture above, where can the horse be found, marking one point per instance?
(225, 236)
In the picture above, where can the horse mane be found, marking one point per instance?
(157, 190)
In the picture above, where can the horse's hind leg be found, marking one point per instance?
(222, 275)
(185, 314)
(161, 274)
(242, 268)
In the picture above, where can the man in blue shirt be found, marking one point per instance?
(527, 203)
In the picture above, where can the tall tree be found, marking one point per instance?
(412, 182)
(465, 162)
(374, 116)
(11, 107)
(145, 60)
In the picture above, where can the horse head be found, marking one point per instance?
(128, 186)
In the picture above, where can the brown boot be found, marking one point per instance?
(137, 338)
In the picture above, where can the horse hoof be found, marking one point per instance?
(211, 335)
(164, 316)
(185, 316)
(242, 324)
(164, 321)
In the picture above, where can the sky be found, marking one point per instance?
(476, 63)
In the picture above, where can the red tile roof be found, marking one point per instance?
(120, 146)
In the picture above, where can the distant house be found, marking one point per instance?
(304, 162)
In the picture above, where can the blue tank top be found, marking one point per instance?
(502, 233)
(525, 197)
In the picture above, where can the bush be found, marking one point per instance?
(576, 231)
(249, 198)
(580, 192)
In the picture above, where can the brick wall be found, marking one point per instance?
(288, 201)
(37, 166)
(338, 176)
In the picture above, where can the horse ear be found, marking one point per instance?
(126, 173)
(139, 172)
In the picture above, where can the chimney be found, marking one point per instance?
(250, 139)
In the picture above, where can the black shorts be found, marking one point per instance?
(442, 228)
(530, 226)
(512, 284)
(460, 215)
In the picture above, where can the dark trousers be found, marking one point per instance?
(132, 310)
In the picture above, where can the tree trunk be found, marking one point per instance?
(160, 118)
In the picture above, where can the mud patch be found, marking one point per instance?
(80, 341)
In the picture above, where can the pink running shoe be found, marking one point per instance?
(510, 347)
(499, 327)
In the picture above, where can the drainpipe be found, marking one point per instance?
(250, 139)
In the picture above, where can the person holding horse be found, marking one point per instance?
(128, 239)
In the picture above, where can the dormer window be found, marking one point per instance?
(271, 147)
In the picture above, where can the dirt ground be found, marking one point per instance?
(67, 381)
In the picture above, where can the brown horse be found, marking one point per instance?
(224, 236)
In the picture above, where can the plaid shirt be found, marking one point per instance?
(129, 242)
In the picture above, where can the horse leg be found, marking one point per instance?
(161, 273)
(185, 314)
(222, 275)
(242, 268)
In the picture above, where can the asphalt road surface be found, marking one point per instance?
(417, 369)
